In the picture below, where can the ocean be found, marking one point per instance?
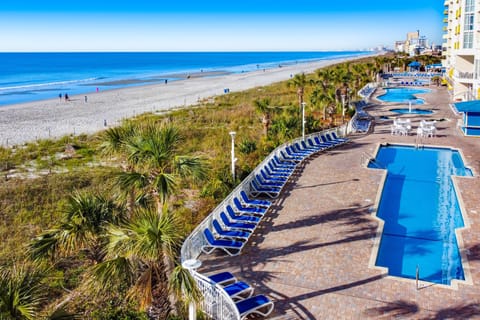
(26, 77)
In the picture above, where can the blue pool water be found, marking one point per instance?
(402, 95)
(421, 212)
(411, 111)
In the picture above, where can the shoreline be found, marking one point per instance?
(55, 118)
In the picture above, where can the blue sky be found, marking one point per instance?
(194, 25)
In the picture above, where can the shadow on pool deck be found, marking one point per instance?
(311, 252)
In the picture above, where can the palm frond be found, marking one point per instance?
(22, 292)
(192, 167)
(142, 289)
(45, 245)
(111, 273)
(128, 180)
(184, 286)
(164, 185)
(114, 139)
(146, 237)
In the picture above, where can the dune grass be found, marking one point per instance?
(38, 177)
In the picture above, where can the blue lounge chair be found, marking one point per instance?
(256, 211)
(274, 178)
(287, 157)
(259, 304)
(296, 154)
(223, 278)
(299, 149)
(314, 144)
(268, 183)
(258, 190)
(324, 140)
(309, 147)
(236, 225)
(334, 135)
(277, 173)
(336, 141)
(244, 219)
(231, 247)
(230, 234)
(254, 202)
(283, 163)
(276, 167)
(239, 290)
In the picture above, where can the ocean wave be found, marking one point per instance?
(48, 84)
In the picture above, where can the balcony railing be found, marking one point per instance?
(216, 303)
(464, 75)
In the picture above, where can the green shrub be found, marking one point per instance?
(247, 146)
(118, 313)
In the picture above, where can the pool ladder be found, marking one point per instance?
(419, 142)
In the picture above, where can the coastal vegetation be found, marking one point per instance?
(91, 225)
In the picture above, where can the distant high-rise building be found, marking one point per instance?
(461, 48)
(413, 45)
(399, 46)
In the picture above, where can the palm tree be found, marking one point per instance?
(22, 292)
(327, 100)
(286, 127)
(83, 224)
(138, 255)
(155, 165)
(262, 107)
(113, 145)
(182, 284)
(358, 75)
(299, 81)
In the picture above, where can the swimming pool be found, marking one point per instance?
(421, 212)
(411, 111)
(403, 95)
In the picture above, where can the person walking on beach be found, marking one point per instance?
(66, 96)
(60, 96)
(86, 99)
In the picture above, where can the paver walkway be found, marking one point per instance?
(312, 251)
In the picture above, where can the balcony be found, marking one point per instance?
(463, 76)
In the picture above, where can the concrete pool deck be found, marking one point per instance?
(311, 253)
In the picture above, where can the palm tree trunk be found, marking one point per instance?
(266, 123)
(161, 306)
(131, 196)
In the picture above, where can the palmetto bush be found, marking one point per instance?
(247, 146)
(22, 292)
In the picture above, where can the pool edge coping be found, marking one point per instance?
(454, 283)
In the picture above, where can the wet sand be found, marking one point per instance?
(55, 118)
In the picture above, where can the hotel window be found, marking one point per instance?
(469, 21)
(468, 31)
(469, 6)
(468, 40)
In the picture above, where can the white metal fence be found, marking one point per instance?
(216, 303)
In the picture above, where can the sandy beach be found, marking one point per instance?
(55, 118)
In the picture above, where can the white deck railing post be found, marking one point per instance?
(216, 303)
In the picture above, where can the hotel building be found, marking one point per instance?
(461, 48)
